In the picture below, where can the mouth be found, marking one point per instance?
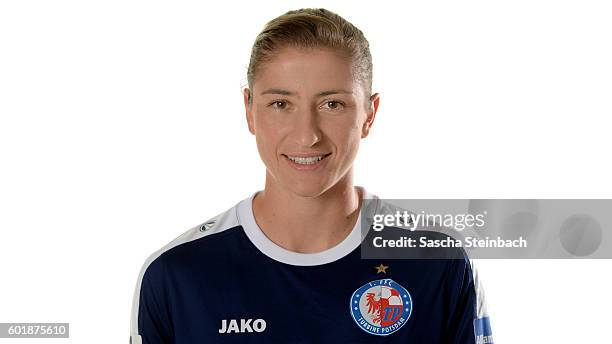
(306, 160)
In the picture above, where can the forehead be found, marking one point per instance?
(305, 70)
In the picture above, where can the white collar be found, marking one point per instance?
(278, 253)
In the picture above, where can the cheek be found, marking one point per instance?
(347, 137)
(264, 143)
(353, 145)
(267, 136)
(348, 127)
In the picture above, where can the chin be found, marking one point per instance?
(307, 189)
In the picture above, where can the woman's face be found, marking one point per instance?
(308, 114)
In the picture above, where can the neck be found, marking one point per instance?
(307, 224)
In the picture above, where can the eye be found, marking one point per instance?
(278, 104)
(334, 104)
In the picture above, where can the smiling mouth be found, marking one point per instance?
(306, 160)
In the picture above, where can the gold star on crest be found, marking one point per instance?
(381, 268)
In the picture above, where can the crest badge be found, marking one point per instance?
(381, 307)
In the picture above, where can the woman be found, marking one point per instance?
(284, 265)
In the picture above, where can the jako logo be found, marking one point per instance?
(259, 325)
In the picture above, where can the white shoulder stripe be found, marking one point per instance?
(481, 303)
(223, 221)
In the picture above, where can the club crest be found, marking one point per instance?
(381, 307)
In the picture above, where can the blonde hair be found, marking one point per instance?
(313, 28)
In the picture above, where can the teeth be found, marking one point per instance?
(305, 160)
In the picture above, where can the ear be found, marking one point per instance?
(374, 100)
(248, 107)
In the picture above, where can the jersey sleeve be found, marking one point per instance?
(468, 322)
(482, 324)
(151, 321)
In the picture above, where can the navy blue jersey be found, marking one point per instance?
(224, 281)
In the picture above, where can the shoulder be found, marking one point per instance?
(205, 232)
(152, 273)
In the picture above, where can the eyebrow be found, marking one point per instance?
(289, 93)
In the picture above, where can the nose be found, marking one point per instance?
(307, 131)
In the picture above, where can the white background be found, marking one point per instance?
(122, 126)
